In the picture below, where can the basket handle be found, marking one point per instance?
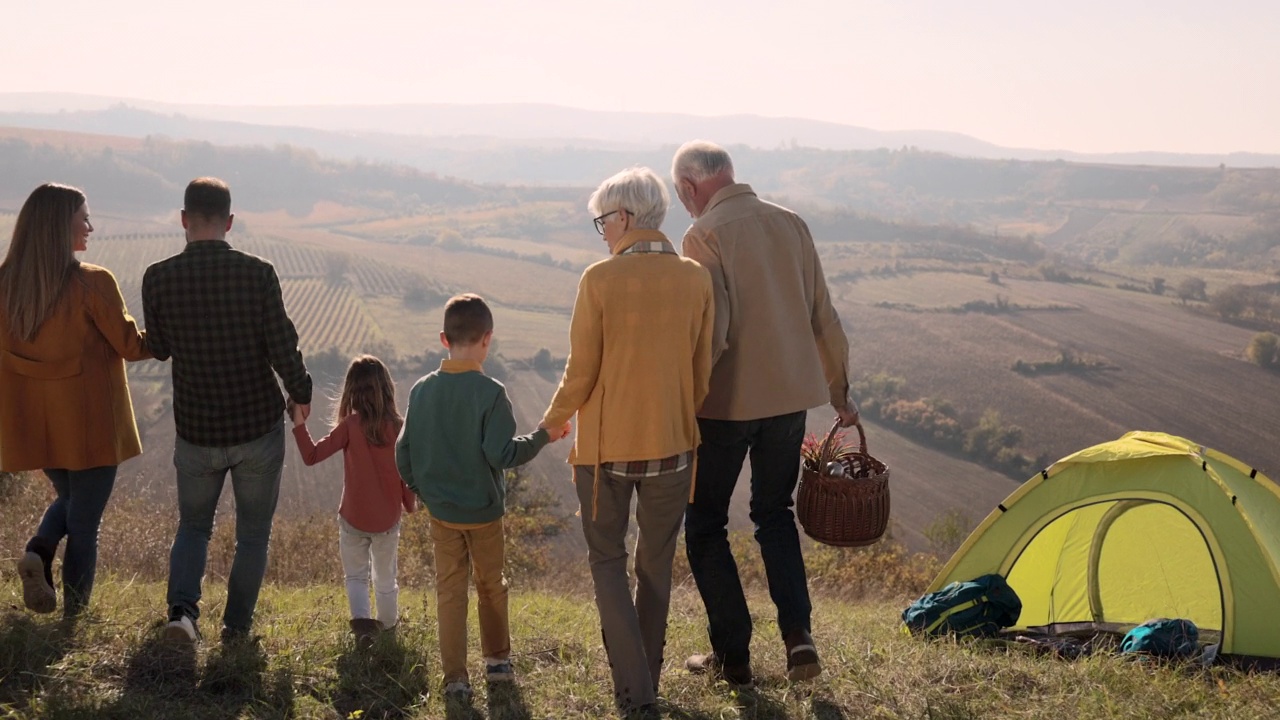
(824, 454)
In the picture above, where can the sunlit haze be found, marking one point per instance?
(1089, 76)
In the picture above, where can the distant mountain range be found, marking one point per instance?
(394, 132)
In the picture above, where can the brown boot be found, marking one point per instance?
(35, 568)
(802, 656)
(365, 630)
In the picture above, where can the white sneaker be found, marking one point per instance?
(457, 690)
(182, 630)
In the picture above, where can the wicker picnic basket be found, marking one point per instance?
(847, 510)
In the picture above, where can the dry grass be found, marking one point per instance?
(113, 663)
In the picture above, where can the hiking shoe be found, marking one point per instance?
(181, 628)
(802, 656)
(238, 637)
(739, 677)
(366, 631)
(37, 583)
(458, 690)
(500, 671)
(648, 711)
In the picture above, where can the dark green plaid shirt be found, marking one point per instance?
(219, 314)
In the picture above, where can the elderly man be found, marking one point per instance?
(777, 350)
(639, 362)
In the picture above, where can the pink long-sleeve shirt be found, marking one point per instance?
(373, 494)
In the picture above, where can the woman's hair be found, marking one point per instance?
(370, 393)
(41, 257)
(637, 190)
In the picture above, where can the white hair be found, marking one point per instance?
(637, 190)
(698, 160)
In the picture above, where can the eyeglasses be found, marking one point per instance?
(600, 220)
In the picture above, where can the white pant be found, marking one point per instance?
(359, 550)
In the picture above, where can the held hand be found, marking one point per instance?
(848, 414)
(305, 410)
(553, 434)
(568, 428)
(291, 408)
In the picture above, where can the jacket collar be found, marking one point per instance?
(727, 192)
(449, 365)
(202, 245)
(635, 236)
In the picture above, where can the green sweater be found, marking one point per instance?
(458, 437)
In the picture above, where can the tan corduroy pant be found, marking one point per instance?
(634, 629)
(462, 553)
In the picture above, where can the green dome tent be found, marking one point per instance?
(1143, 527)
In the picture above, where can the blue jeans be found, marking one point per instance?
(76, 514)
(255, 480)
(774, 447)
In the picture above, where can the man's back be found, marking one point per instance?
(776, 333)
(220, 315)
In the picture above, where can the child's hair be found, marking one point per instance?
(466, 319)
(370, 393)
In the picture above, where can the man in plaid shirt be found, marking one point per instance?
(219, 314)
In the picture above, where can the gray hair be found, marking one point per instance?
(637, 190)
(698, 160)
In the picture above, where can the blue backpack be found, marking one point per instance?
(1163, 638)
(979, 608)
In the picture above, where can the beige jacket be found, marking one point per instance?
(776, 333)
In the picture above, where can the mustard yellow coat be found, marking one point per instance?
(64, 399)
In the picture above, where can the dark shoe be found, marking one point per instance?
(802, 656)
(739, 677)
(182, 628)
(238, 637)
(366, 631)
(499, 672)
(648, 711)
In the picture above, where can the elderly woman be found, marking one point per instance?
(639, 364)
(64, 401)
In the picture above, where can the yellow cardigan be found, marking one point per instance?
(640, 356)
(64, 399)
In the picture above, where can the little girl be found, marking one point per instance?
(365, 426)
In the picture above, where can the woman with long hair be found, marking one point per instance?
(64, 400)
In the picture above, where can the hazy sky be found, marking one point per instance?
(1083, 75)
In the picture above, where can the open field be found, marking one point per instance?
(1160, 359)
(1167, 370)
(70, 140)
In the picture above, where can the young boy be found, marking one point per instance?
(456, 441)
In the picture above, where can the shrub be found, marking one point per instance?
(1264, 350)
(1231, 301)
(1190, 288)
(947, 531)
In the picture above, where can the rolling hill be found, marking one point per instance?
(367, 252)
